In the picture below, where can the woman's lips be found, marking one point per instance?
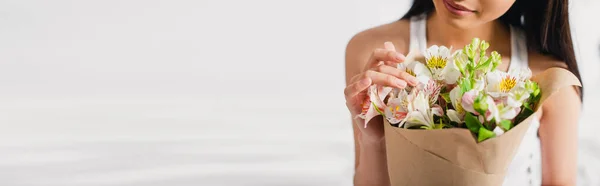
(457, 9)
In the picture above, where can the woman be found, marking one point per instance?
(533, 33)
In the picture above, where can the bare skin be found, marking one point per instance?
(558, 118)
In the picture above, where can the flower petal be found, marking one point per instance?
(454, 116)
(419, 69)
(444, 52)
(493, 81)
(479, 84)
(437, 110)
(467, 101)
(432, 51)
(450, 74)
(498, 131)
(455, 95)
(512, 102)
(508, 113)
(415, 119)
(493, 112)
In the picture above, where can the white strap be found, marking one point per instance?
(418, 26)
(518, 49)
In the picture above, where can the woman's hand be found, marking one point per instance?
(381, 69)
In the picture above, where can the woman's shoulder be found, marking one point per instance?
(397, 32)
(362, 44)
(539, 62)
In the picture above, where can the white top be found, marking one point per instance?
(526, 166)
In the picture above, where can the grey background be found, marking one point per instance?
(182, 92)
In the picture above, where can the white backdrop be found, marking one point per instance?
(183, 92)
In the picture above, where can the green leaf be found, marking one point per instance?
(480, 105)
(465, 85)
(485, 65)
(473, 123)
(506, 124)
(485, 134)
(526, 111)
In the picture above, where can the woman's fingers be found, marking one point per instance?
(384, 79)
(381, 75)
(389, 57)
(389, 46)
(385, 74)
(397, 73)
(357, 87)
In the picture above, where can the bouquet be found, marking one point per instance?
(464, 120)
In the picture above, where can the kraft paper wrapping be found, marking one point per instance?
(453, 156)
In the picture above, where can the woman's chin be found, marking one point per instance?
(460, 22)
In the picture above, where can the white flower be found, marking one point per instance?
(373, 104)
(417, 69)
(432, 90)
(468, 98)
(420, 112)
(499, 112)
(501, 84)
(440, 63)
(498, 131)
(397, 108)
(517, 97)
(458, 113)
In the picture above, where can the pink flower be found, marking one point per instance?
(468, 99)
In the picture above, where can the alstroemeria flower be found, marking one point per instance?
(500, 111)
(420, 112)
(498, 131)
(432, 90)
(458, 113)
(397, 108)
(417, 69)
(468, 98)
(517, 97)
(501, 84)
(374, 105)
(440, 63)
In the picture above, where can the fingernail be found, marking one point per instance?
(401, 83)
(400, 56)
(413, 80)
(365, 82)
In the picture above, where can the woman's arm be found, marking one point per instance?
(370, 161)
(364, 54)
(372, 166)
(558, 137)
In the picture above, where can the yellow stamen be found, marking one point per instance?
(459, 108)
(437, 62)
(397, 108)
(507, 83)
(404, 103)
(410, 72)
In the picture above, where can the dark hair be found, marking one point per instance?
(545, 22)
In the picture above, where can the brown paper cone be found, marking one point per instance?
(453, 156)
